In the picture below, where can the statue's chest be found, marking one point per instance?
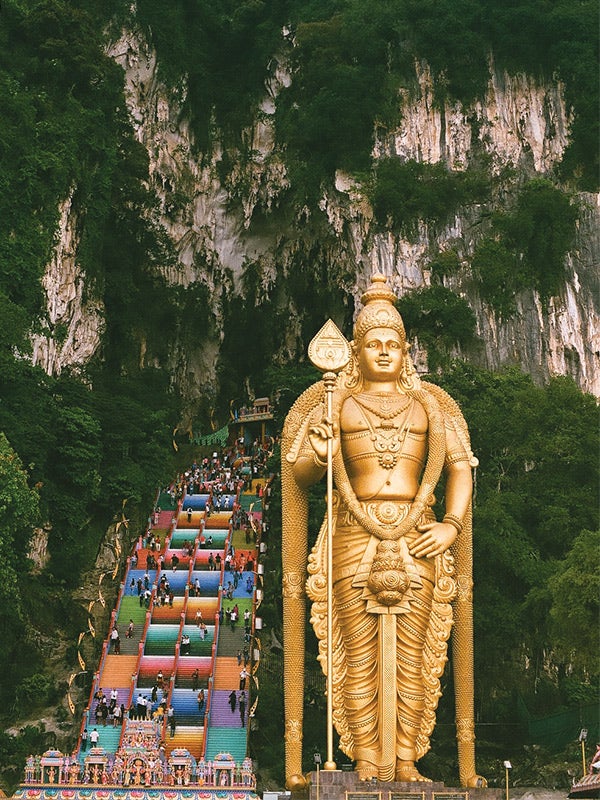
(386, 431)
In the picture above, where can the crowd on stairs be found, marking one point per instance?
(173, 692)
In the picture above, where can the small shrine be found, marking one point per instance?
(51, 764)
(139, 763)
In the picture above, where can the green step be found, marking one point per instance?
(226, 740)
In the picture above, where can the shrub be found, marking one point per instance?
(440, 319)
(403, 192)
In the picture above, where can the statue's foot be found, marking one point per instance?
(366, 770)
(407, 772)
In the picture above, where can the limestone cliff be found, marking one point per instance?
(75, 319)
(219, 221)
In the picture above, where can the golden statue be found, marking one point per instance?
(395, 569)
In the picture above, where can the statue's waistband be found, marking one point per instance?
(387, 513)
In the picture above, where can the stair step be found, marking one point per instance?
(185, 668)
(191, 737)
(109, 738)
(226, 740)
(227, 674)
(209, 607)
(150, 666)
(130, 609)
(221, 715)
(167, 614)
(117, 671)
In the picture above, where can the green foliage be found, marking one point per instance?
(537, 490)
(68, 138)
(497, 271)
(444, 264)
(285, 384)
(19, 510)
(347, 48)
(36, 690)
(541, 229)
(440, 319)
(404, 192)
(15, 749)
(223, 49)
(254, 329)
(59, 93)
(528, 246)
(575, 593)
(327, 115)
(14, 325)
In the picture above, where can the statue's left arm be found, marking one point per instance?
(437, 537)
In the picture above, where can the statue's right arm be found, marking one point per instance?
(311, 464)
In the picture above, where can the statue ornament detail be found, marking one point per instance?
(395, 568)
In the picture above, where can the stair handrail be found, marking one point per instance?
(215, 647)
(208, 712)
(132, 683)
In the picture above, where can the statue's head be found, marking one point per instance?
(378, 315)
(378, 311)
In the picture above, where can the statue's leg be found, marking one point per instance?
(359, 632)
(411, 630)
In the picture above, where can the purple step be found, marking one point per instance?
(220, 711)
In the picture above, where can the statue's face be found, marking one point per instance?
(381, 354)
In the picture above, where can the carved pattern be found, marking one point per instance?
(293, 730)
(293, 585)
(465, 730)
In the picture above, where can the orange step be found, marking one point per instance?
(218, 519)
(117, 671)
(170, 614)
(191, 737)
(208, 605)
(227, 673)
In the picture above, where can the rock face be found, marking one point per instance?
(76, 323)
(518, 121)
(211, 220)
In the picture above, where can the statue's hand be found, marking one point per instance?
(435, 539)
(318, 436)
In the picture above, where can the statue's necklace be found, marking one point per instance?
(384, 405)
(388, 438)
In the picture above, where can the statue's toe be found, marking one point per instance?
(407, 772)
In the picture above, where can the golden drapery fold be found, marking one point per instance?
(388, 652)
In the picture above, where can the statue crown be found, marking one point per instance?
(379, 310)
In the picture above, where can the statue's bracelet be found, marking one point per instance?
(318, 462)
(454, 521)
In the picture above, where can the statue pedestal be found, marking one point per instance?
(342, 785)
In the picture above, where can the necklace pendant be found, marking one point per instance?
(387, 460)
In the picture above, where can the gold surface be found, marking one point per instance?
(383, 573)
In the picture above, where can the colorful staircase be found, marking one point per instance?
(191, 559)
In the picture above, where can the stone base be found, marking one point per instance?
(343, 785)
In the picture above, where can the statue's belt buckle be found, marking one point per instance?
(387, 512)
